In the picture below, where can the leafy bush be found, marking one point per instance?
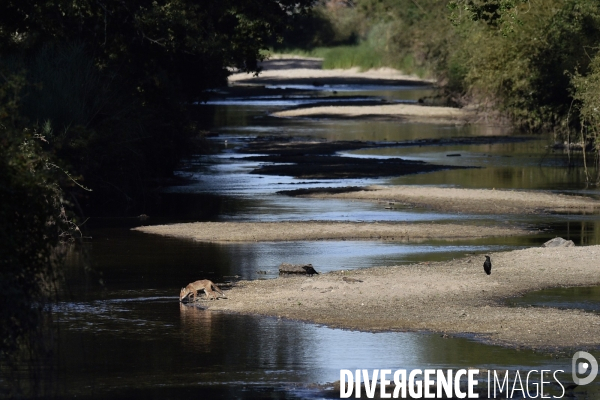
(33, 222)
(587, 98)
(517, 57)
(114, 80)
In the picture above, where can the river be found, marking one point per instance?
(123, 333)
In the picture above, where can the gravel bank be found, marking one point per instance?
(286, 231)
(454, 297)
(478, 201)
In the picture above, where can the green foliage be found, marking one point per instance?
(33, 222)
(114, 80)
(29, 215)
(319, 28)
(500, 14)
(97, 126)
(167, 35)
(95, 106)
(517, 57)
(526, 72)
(586, 95)
(404, 34)
(364, 57)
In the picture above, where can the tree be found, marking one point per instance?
(146, 61)
(98, 91)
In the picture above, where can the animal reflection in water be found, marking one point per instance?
(191, 290)
(196, 327)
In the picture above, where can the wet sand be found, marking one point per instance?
(287, 231)
(454, 297)
(477, 201)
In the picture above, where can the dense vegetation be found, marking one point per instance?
(533, 62)
(110, 80)
(95, 102)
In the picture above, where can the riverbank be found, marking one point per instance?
(454, 297)
(311, 230)
(477, 201)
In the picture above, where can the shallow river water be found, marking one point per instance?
(125, 335)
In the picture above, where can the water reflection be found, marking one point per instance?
(528, 165)
(196, 328)
(195, 348)
(259, 259)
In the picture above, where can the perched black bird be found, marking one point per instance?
(487, 265)
(310, 271)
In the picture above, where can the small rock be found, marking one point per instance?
(559, 242)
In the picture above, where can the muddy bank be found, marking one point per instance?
(286, 231)
(477, 201)
(454, 297)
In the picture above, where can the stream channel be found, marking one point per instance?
(124, 334)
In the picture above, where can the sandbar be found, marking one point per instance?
(318, 230)
(454, 298)
(408, 112)
(475, 201)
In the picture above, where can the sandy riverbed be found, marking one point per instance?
(452, 297)
(408, 112)
(288, 71)
(286, 231)
(478, 201)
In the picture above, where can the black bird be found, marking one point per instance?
(487, 265)
(310, 271)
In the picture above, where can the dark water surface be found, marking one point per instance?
(123, 333)
(583, 298)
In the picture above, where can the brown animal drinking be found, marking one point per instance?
(192, 290)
